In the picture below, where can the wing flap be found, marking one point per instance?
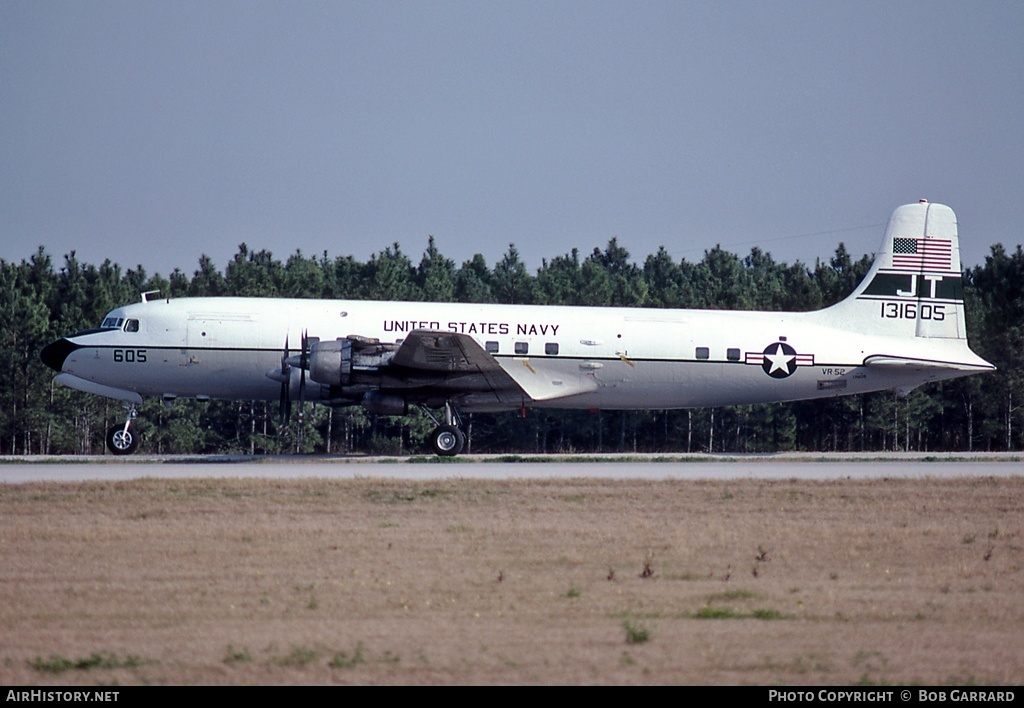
(544, 384)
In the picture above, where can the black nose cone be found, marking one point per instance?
(54, 353)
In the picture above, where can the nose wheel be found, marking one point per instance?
(121, 440)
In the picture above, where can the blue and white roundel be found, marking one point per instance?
(779, 360)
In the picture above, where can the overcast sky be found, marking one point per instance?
(153, 132)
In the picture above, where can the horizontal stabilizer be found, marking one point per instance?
(901, 362)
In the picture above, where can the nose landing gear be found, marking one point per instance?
(120, 439)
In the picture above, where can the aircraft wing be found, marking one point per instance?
(443, 351)
(454, 353)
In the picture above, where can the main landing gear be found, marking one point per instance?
(121, 440)
(447, 439)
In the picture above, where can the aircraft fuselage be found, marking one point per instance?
(567, 357)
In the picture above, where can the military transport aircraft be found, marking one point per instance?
(903, 326)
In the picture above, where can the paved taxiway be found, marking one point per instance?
(807, 466)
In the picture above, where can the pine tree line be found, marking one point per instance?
(42, 302)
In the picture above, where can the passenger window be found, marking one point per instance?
(131, 326)
(733, 354)
(703, 353)
(491, 347)
(551, 348)
(522, 348)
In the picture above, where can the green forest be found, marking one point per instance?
(43, 299)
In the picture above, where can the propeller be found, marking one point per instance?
(287, 362)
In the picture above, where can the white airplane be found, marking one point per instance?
(903, 326)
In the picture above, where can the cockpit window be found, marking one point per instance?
(112, 323)
(131, 326)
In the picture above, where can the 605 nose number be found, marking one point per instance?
(131, 356)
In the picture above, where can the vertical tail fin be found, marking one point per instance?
(914, 287)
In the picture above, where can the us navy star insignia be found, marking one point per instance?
(779, 360)
(780, 363)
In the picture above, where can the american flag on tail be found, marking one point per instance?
(922, 254)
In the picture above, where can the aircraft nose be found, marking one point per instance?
(54, 353)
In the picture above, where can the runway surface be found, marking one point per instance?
(789, 466)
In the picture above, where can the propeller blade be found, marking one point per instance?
(285, 406)
(303, 365)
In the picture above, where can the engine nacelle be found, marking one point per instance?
(332, 363)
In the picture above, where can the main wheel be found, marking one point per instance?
(121, 441)
(447, 440)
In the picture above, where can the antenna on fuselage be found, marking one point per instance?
(145, 295)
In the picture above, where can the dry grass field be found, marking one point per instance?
(513, 582)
